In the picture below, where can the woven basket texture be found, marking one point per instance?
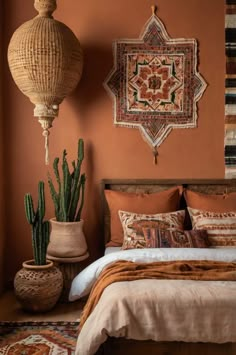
(38, 290)
(45, 60)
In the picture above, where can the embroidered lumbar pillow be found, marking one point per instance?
(160, 238)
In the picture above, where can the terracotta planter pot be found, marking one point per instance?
(38, 287)
(67, 240)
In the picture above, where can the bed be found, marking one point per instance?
(188, 316)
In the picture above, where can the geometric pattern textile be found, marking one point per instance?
(154, 83)
(133, 224)
(41, 338)
(220, 226)
(230, 89)
(158, 238)
(154, 237)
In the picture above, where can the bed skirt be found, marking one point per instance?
(121, 346)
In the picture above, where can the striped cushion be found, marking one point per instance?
(220, 227)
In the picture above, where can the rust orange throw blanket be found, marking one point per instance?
(184, 270)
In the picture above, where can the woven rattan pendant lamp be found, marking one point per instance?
(45, 60)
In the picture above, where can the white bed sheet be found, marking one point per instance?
(83, 282)
(110, 250)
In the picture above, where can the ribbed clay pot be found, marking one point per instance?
(67, 240)
(38, 287)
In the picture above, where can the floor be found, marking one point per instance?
(10, 310)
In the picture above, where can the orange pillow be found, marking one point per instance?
(159, 202)
(212, 203)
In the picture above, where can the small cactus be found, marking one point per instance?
(68, 198)
(40, 228)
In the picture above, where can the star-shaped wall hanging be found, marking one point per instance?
(154, 83)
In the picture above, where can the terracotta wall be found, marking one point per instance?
(110, 152)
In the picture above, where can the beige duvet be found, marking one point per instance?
(162, 310)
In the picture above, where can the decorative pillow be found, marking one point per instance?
(213, 203)
(159, 202)
(133, 225)
(160, 238)
(220, 227)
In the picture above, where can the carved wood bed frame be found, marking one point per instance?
(121, 346)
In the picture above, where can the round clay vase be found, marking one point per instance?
(67, 240)
(38, 287)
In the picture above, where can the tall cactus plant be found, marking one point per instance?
(68, 198)
(40, 228)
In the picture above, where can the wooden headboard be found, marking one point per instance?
(149, 186)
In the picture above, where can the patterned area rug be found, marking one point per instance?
(41, 338)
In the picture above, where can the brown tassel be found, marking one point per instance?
(154, 9)
(46, 136)
(155, 154)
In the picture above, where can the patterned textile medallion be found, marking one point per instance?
(155, 83)
(230, 89)
(41, 338)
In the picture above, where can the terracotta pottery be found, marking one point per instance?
(38, 287)
(67, 240)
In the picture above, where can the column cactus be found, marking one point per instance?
(68, 198)
(40, 228)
